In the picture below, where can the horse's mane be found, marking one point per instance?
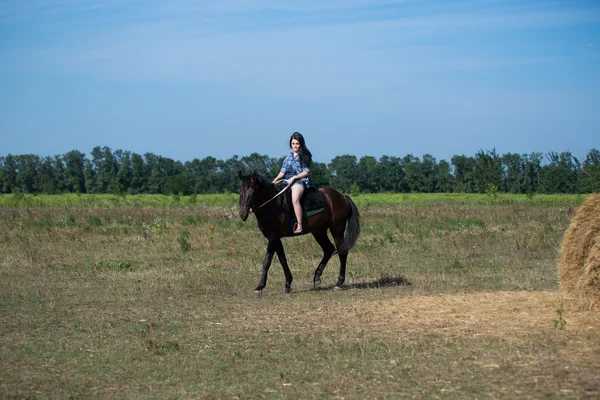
(262, 181)
(283, 201)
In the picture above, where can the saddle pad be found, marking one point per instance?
(313, 201)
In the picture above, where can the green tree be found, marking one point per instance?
(428, 170)
(155, 173)
(47, 181)
(176, 179)
(343, 172)
(9, 168)
(532, 170)
(488, 170)
(27, 172)
(60, 174)
(2, 175)
(105, 168)
(443, 177)
(561, 173)
(122, 182)
(319, 174)
(139, 175)
(89, 174)
(124, 171)
(203, 174)
(418, 175)
(228, 176)
(514, 170)
(260, 164)
(590, 177)
(107, 175)
(367, 175)
(75, 171)
(464, 174)
(391, 173)
(96, 164)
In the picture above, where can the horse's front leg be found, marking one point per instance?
(265, 266)
(284, 265)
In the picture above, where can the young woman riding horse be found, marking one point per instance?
(340, 217)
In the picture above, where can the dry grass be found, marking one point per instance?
(442, 301)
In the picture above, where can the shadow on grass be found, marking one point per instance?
(383, 281)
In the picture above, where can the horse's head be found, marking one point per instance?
(247, 194)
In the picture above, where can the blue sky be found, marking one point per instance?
(190, 79)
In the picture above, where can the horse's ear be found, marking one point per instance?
(241, 175)
(253, 177)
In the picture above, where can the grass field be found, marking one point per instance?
(152, 297)
(231, 200)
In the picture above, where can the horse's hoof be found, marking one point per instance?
(258, 292)
(336, 287)
(287, 290)
(316, 284)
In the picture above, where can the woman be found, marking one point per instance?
(295, 170)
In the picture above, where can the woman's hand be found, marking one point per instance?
(277, 178)
(290, 181)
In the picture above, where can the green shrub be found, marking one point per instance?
(67, 222)
(184, 241)
(93, 220)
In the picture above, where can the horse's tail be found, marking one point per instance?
(352, 230)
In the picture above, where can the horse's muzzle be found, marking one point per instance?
(244, 215)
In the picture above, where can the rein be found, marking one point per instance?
(274, 197)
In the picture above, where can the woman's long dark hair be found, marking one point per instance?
(304, 153)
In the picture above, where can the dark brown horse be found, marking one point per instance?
(275, 220)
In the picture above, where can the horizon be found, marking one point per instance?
(239, 156)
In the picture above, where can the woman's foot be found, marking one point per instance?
(297, 229)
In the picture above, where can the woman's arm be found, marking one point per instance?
(278, 177)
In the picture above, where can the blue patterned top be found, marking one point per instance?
(291, 167)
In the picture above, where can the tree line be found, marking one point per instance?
(124, 172)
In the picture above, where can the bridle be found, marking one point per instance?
(274, 197)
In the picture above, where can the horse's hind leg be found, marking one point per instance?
(342, 276)
(338, 237)
(328, 250)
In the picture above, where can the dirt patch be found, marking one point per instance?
(497, 314)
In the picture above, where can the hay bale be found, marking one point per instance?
(579, 268)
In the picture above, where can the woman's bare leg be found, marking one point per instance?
(297, 191)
